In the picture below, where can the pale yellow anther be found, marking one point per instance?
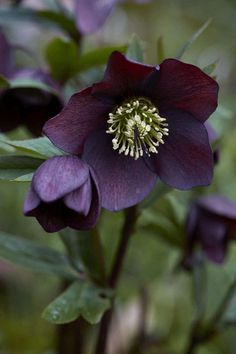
(137, 127)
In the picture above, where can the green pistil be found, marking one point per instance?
(137, 127)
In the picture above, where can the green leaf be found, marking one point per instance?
(39, 258)
(209, 69)
(4, 83)
(13, 167)
(41, 17)
(192, 39)
(65, 308)
(24, 178)
(63, 58)
(93, 303)
(31, 83)
(3, 145)
(80, 299)
(229, 315)
(41, 148)
(135, 49)
(98, 56)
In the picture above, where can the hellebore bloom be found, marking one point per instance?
(25, 105)
(91, 14)
(211, 222)
(138, 123)
(64, 192)
(28, 105)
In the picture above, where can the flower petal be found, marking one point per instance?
(219, 205)
(185, 159)
(59, 176)
(82, 115)
(212, 231)
(80, 199)
(185, 87)
(123, 181)
(91, 14)
(122, 78)
(32, 201)
(52, 217)
(80, 222)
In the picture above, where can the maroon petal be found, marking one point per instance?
(122, 180)
(185, 159)
(80, 199)
(91, 14)
(185, 87)
(122, 78)
(59, 176)
(32, 201)
(82, 115)
(219, 205)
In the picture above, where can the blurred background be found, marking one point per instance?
(155, 295)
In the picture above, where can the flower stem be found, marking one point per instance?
(201, 335)
(131, 215)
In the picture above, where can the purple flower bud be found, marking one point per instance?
(211, 223)
(64, 192)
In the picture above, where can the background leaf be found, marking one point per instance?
(39, 258)
(81, 298)
(12, 166)
(135, 49)
(192, 39)
(63, 58)
(98, 57)
(41, 148)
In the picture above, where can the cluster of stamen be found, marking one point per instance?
(137, 127)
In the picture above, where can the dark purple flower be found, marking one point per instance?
(28, 105)
(64, 192)
(91, 14)
(211, 222)
(138, 123)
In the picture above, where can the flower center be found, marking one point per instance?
(137, 127)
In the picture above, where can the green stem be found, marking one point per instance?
(199, 284)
